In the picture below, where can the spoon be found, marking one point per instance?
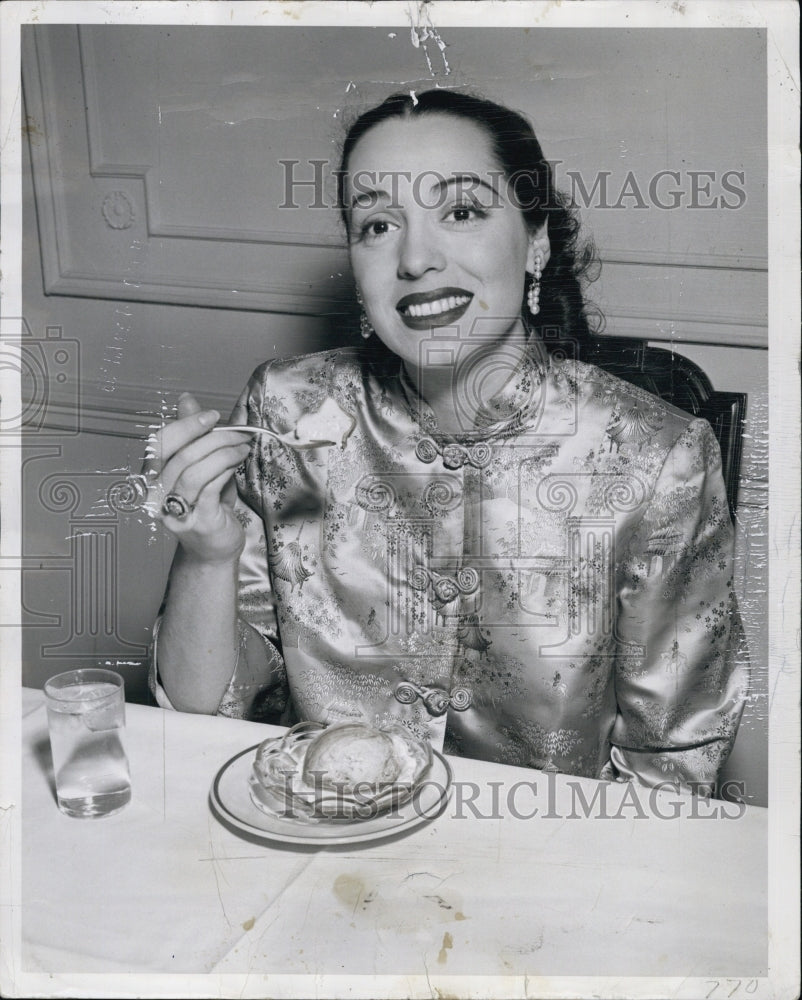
(289, 439)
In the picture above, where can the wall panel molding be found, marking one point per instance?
(129, 411)
(678, 328)
(157, 227)
(177, 256)
(667, 258)
(155, 262)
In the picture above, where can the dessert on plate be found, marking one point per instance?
(346, 771)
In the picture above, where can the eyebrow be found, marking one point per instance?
(473, 179)
(367, 197)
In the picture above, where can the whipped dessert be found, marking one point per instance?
(346, 771)
(328, 423)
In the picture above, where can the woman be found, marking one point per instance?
(512, 552)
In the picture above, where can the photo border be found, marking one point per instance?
(781, 20)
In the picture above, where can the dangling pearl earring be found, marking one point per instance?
(533, 292)
(365, 329)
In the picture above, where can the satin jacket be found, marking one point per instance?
(552, 588)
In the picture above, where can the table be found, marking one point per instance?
(163, 886)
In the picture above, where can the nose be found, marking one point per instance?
(419, 251)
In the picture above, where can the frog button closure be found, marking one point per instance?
(454, 455)
(436, 700)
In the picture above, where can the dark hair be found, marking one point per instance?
(562, 320)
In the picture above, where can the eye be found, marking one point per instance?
(465, 213)
(373, 230)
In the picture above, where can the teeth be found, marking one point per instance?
(435, 308)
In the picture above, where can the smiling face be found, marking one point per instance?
(435, 240)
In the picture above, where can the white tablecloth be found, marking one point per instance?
(163, 886)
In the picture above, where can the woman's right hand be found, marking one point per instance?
(184, 458)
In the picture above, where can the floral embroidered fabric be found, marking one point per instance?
(551, 589)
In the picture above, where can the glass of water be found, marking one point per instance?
(86, 719)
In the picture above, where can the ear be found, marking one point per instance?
(538, 244)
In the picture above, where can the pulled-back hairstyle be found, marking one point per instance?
(563, 319)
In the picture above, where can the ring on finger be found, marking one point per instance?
(176, 506)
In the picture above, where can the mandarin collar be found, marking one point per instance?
(503, 415)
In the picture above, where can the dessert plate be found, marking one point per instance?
(230, 798)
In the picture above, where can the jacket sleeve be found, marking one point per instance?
(681, 668)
